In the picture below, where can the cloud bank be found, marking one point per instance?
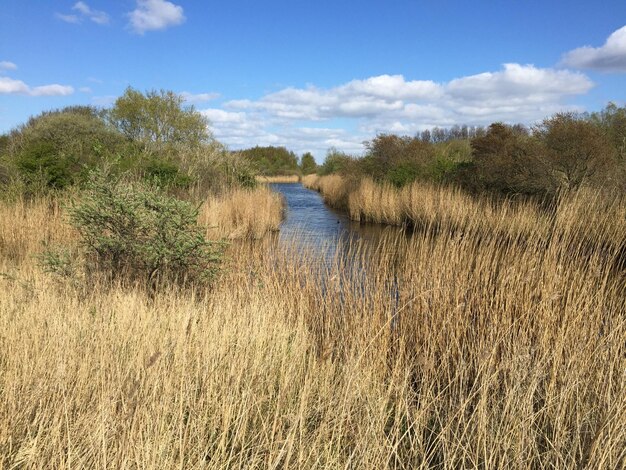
(611, 57)
(304, 119)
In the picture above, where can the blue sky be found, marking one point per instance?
(314, 74)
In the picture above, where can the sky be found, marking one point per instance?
(311, 75)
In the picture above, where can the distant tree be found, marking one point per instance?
(577, 151)
(308, 164)
(335, 162)
(271, 161)
(612, 120)
(158, 119)
(507, 161)
(438, 135)
(425, 136)
(4, 144)
(397, 159)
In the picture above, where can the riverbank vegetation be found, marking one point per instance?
(462, 349)
(277, 164)
(494, 336)
(565, 152)
(242, 213)
(278, 179)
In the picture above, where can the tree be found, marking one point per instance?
(612, 120)
(506, 160)
(577, 151)
(334, 162)
(398, 159)
(54, 149)
(158, 119)
(308, 164)
(425, 136)
(272, 161)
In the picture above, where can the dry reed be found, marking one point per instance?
(242, 214)
(333, 188)
(436, 351)
(278, 179)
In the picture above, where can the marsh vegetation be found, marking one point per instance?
(490, 332)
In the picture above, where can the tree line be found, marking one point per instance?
(565, 151)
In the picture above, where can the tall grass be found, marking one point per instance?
(588, 217)
(242, 213)
(443, 350)
(278, 179)
(334, 188)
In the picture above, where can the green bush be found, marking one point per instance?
(403, 174)
(133, 232)
(165, 174)
(56, 149)
(272, 161)
(335, 162)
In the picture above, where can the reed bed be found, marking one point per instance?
(237, 214)
(434, 351)
(590, 218)
(333, 188)
(278, 179)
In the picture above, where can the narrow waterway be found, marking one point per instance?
(311, 223)
(329, 240)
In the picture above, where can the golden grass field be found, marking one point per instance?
(494, 338)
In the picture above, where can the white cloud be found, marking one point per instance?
(74, 19)
(151, 15)
(84, 11)
(85, 89)
(354, 99)
(199, 97)
(96, 16)
(10, 86)
(6, 65)
(390, 103)
(240, 130)
(51, 90)
(611, 57)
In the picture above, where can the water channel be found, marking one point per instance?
(310, 222)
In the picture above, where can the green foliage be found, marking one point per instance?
(41, 165)
(133, 232)
(402, 174)
(4, 144)
(577, 152)
(56, 149)
(165, 173)
(335, 162)
(158, 119)
(272, 161)
(399, 160)
(308, 164)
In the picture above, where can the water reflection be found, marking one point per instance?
(311, 224)
(338, 249)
